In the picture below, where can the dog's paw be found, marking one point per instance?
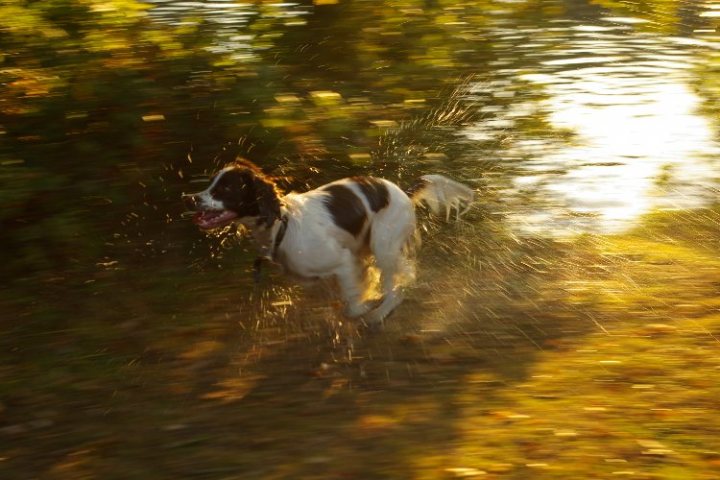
(355, 311)
(373, 322)
(372, 328)
(375, 319)
(360, 309)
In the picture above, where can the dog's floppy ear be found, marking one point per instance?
(267, 200)
(247, 165)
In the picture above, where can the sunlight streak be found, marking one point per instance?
(639, 140)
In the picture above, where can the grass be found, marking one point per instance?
(511, 359)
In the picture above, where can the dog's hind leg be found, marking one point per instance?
(389, 303)
(397, 268)
(394, 271)
(352, 286)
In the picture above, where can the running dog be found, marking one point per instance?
(331, 231)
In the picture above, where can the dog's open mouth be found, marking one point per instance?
(208, 219)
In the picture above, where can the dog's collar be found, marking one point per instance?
(279, 236)
(277, 239)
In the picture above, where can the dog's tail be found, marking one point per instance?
(439, 193)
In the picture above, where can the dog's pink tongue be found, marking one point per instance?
(205, 219)
(209, 220)
(198, 218)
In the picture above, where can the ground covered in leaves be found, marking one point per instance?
(594, 357)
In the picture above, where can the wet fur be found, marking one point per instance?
(335, 230)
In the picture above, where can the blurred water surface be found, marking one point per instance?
(641, 139)
(567, 327)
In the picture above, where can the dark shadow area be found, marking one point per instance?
(262, 380)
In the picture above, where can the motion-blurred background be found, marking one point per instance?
(566, 329)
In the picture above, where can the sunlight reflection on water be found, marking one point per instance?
(639, 141)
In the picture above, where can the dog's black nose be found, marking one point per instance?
(190, 200)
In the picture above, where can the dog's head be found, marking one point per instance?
(239, 191)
